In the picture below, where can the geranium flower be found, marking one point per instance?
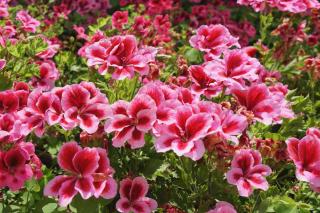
(133, 196)
(120, 53)
(41, 108)
(258, 99)
(11, 128)
(9, 102)
(131, 121)
(203, 84)
(15, 168)
(223, 207)
(213, 39)
(29, 24)
(83, 104)
(119, 18)
(247, 172)
(305, 155)
(186, 134)
(48, 75)
(233, 69)
(88, 174)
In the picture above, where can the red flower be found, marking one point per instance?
(119, 18)
(133, 197)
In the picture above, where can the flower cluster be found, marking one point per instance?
(294, 6)
(169, 106)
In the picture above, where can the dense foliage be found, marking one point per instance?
(170, 106)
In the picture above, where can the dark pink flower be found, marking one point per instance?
(247, 172)
(131, 121)
(88, 172)
(84, 105)
(9, 102)
(213, 39)
(141, 25)
(29, 24)
(203, 84)
(223, 207)
(15, 168)
(119, 18)
(133, 196)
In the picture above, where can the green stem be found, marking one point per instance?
(134, 87)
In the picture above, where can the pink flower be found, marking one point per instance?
(11, 128)
(235, 67)
(260, 101)
(119, 18)
(247, 172)
(29, 24)
(223, 207)
(258, 5)
(7, 33)
(213, 39)
(231, 125)
(202, 83)
(80, 32)
(48, 75)
(133, 196)
(52, 48)
(15, 166)
(89, 173)
(186, 134)
(120, 53)
(4, 8)
(226, 124)
(131, 121)
(41, 108)
(305, 155)
(83, 104)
